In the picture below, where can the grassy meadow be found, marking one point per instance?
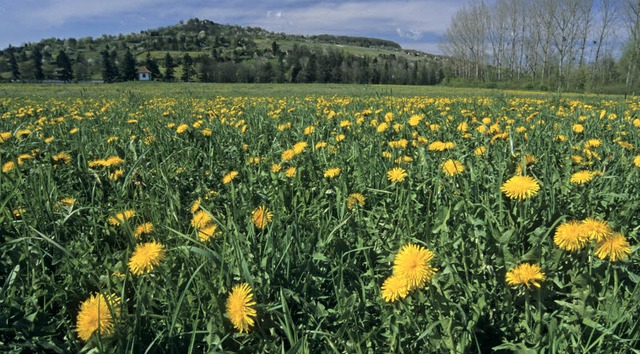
(147, 217)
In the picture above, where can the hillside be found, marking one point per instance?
(201, 50)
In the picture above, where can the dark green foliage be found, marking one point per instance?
(64, 70)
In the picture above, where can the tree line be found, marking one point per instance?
(549, 44)
(300, 64)
(203, 51)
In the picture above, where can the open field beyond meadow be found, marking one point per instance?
(317, 218)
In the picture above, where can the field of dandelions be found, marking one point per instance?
(319, 223)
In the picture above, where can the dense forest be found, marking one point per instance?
(578, 45)
(204, 51)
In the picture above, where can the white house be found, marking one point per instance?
(144, 74)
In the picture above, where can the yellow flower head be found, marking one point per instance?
(291, 172)
(261, 217)
(288, 155)
(119, 218)
(200, 219)
(143, 229)
(636, 161)
(571, 236)
(226, 179)
(241, 307)
(597, 230)
(582, 177)
(207, 232)
(525, 274)
(355, 199)
(331, 172)
(452, 167)
(394, 288)
(615, 247)
(61, 158)
(146, 257)
(97, 315)
(520, 187)
(412, 264)
(298, 148)
(396, 174)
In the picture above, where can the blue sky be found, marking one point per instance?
(413, 24)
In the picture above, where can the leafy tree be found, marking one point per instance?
(168, 65)
(128, 69)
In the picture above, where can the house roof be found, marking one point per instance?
(143, 70)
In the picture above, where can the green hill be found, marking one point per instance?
(202, 50)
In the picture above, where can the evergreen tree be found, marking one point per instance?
(128, 70)
(152, 65)
(37, 64)
(13, 66)
(109, 71)
(81, 68)
(168, 65)
(187, 67)
(64, 70)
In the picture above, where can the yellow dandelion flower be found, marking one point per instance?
(480, 151)
(452, 167)
(229, 177)
(355, 199)
(5, 136)
(261, 217)
(525, 274)
(73, 131)
(182, 128)
(288, 155)
(320, 145)
(116, 174)
(119, 218)
(276, 167)
(97, 315)
(636, 161)
(577, 128)
(581, 177)
(241, 307)
(200, 219)
(298, 148)
(520, 187)
(414, 120)
(195, 205)
(382, 127)
(291, 172)
(309, 130)
(8, 166)
(396, 174)
(597, 230)
(437, 146)
(146, 257)
(331, 172)
(571, 236)
(113, 161)
(62, 158)
(394, 287)
(67, 202)
(615, 247)
(412, 264)
(143, 229)
(207, 232)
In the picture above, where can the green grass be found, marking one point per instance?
(317, 269)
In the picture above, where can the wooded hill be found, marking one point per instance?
(201, 50)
